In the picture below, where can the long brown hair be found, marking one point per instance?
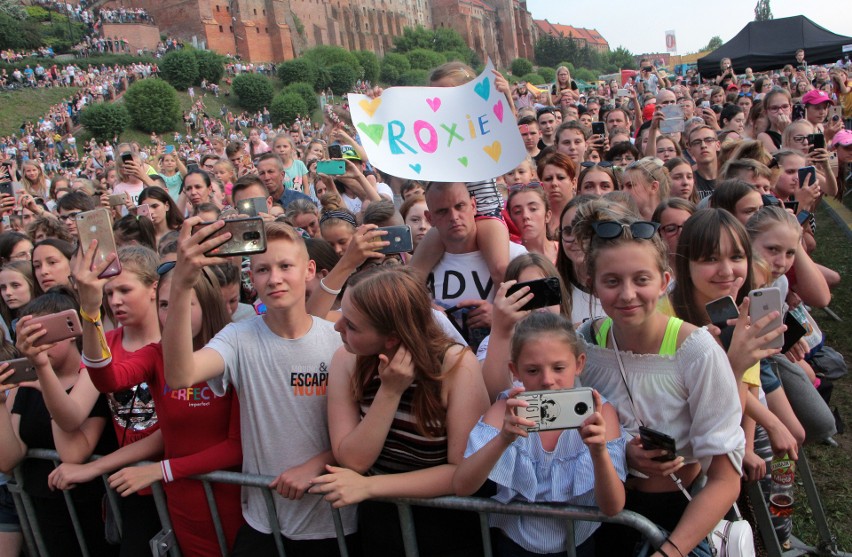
(214, 312)
(396, 303)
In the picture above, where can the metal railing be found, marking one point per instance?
(165, 543)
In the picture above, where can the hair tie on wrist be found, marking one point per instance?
(327, 289)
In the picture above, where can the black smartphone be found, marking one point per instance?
(334, 152)
(653, 439)
(126, 157)
(399, 238)
(6, 188)
(252, 206)
(803, 216)
(793, 205)
(248, 236)
(721, 310)
(546, 292)
(807, 174)
(598, 128)
(795, 331)
(798, 111)
(816, 140)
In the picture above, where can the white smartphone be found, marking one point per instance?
(561, 409)
(762, 302)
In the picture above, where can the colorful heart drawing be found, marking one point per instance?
(494, 150)
(370, 106)
(373, 131)
(463, 161)
(434, 104)
(483, 89)
(498, 110)
(415, 167)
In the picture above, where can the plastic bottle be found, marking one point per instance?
(781, 494)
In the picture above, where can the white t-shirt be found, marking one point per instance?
(354, 204)
(464, 276)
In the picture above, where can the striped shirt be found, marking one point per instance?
(489, 202)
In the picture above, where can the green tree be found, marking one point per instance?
(533, 78)
(253, 91)
(713, 44)
(369, 65)
(180, 69)
(521, 66)
(585, 74)
(153, 105)
(414, 37)
(343, 78)
(18, 34)
(286, 107)
(621, 58)
(298, 70)
(424, 59)
(105, 120)
(306, 91)
(414, 78)
(211, 66)
(393, 66)
(328, 55)
(762, 11)
(550, 50)
(549, 74)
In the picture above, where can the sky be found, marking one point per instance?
(641, 26)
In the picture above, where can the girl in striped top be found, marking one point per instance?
(402, 398)
(577, 467)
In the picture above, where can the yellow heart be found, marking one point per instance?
(494, 150)
(370, 106)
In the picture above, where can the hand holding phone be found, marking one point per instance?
(546, 292)
(557, 409)
(807, 176)
(97, 225)
(762, 302)
(653, 439)
(22, 370)
(248, 236)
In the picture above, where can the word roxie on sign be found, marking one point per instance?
(449, 134)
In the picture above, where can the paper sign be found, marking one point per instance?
(674, 119)
(447, 134)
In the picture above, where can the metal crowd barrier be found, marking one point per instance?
(164, 543)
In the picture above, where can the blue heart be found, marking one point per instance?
(483, 88)
(415, 167)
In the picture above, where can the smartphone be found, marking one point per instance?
(795, 331)
(170, 149)
(598, 128)
(764, 301)
(807, 175)
(248, 236)
(6, 188)
(97, 225)
(143, 210)
(331, 168)
(399, 238)
(835, 113)
(653, 439)
(816, 140)
(192, 167)
(798, 111)
(59, 326)
(803, 216)
(335, 152)
(127, 157)
(622, 93)
(792, 205)
(721, 311)
(252, 206)
(117, 199)
(546, 292)
(24, 371)
(705, 104)
(560, 409)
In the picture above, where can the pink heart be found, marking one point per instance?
(498, 110)
(434, 104)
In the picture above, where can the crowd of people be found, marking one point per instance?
(350, 374)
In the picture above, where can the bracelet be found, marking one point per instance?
(661, 552)
(674, 546)
(329, 290)
(86, 317)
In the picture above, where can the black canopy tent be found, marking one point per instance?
(769, 45)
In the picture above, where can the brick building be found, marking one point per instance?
(582, 36)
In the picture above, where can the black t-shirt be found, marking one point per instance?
(36, 432)
(704, 186)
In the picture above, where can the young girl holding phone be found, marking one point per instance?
(662, 373)
(575, 467)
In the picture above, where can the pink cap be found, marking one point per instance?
(842, 138)
(815, 96)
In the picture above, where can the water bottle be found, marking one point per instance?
(781, 496)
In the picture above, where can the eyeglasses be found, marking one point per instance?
(706, 141)
(800, 139)
(664, 150)
(566, 234)
(779, 108)
(671, 229)
(525, 187)
(69, 216)
(611, 229)
(590, 164)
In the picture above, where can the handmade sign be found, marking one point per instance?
(447, 134)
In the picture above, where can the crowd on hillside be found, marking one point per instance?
(352, 369)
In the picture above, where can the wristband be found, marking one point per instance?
(669, 540)
(329, 290)
(86, 317)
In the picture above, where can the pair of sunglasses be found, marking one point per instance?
(611, 229)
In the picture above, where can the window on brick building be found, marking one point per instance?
(266, 30)
(231, 27)
(255, 11)
(257, 30)
(221, 30)
(218, 8)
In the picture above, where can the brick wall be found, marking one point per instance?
(138, 37)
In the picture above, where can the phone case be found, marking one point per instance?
(252, 206)
(24, 371)
(117, 199)
(598, 128)
(143, 210)
(546, 292)
(561, 409)
(59, 326)
(795, 331)
(6, 188)
(399, 238)
(763, 302)
(248, 236)
(653, 439)
(807, 174)
(97, 225)
(721, 310)
(331, 168)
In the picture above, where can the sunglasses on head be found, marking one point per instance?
(522, 187)
(590, 164)
(612, 229)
